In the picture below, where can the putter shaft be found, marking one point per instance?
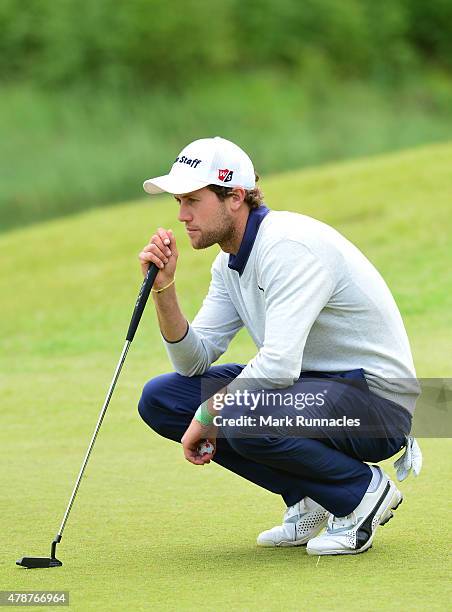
(91, 444)
(143, 295)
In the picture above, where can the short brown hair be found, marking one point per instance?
(253, 197)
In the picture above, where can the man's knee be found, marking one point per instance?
(150, 407)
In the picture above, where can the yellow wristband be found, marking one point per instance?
(163, 288)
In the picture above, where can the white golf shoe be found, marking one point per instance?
(301, 522)
(353, 534)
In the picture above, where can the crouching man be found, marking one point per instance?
(323, 321)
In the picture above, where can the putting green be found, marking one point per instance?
(148, 530)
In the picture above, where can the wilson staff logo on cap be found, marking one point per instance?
(205, 162)
(225, 175)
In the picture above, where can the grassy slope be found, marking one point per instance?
(148, 530)
(72, 150)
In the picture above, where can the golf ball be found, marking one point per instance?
(205, 448)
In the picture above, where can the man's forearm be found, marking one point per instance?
(172, 322)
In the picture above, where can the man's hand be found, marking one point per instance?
(193, 437)
(162, 251)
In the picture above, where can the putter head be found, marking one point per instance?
(34, 562)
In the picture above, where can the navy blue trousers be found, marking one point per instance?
(328, 467)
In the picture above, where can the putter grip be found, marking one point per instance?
(141, 301)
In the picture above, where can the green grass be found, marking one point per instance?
(64, 151)
(148, 530)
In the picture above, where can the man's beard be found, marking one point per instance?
(223, 234)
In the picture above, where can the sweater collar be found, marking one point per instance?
(255, 218)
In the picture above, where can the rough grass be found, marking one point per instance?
(66, 151)
(148, 530)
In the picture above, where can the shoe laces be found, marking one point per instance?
(296, 510)
(291, 511)
(339, 522)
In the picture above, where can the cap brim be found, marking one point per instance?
(172, 184)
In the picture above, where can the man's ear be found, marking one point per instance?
(237, 196)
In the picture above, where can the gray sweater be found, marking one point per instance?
(311, 301)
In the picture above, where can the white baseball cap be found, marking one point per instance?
(205, 162)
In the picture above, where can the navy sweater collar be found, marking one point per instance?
(255, 218)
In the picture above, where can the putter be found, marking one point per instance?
(52, 561)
